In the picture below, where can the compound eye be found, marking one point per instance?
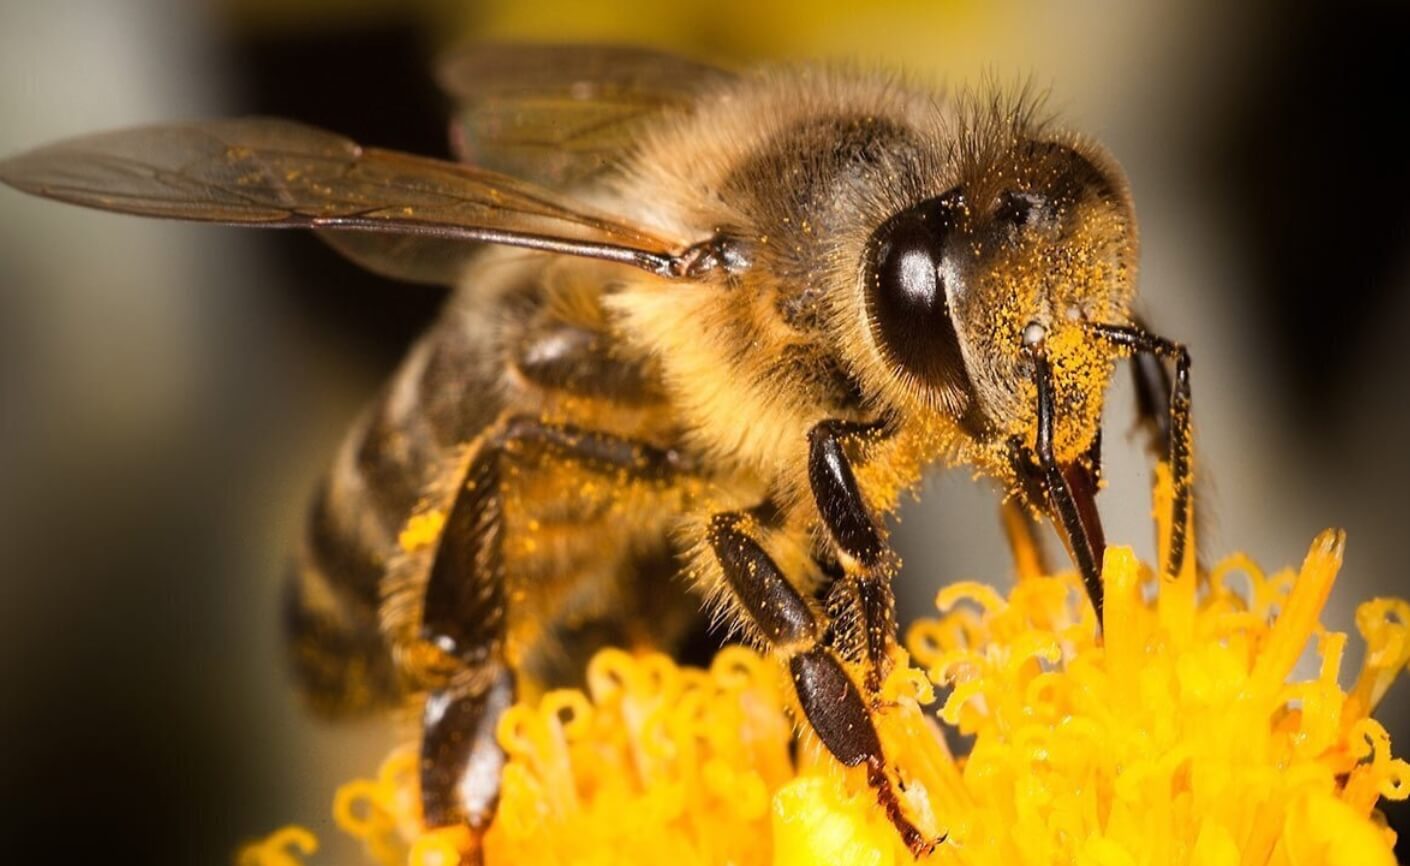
(908, 295)
(908, 276)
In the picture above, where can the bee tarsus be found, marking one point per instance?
(917, 842)
(838, 714)
(460, 757)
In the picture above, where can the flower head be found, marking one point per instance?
(1177, 734)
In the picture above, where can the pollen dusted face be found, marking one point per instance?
(1042, 236)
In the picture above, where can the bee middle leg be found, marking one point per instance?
(465, 612)
(815, 645)
(865, 589)
(863, 593)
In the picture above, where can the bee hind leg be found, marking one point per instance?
(466, 609)
(465, 617)
(460, 757)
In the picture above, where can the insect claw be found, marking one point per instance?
(925, 847)
(917, 842)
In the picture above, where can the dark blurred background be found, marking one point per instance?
(169, 393)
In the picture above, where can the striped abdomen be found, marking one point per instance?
(438, 400)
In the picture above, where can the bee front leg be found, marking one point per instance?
(465, 612)
(791, 627)
(1172, 434)
(1153, 387)
(839, 499)
(837, 710)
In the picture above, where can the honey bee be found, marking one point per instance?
(708, 328)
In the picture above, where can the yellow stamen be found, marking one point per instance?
(284, 847)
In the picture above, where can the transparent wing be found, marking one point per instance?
(558, 114)
(281, 174)
(409, 258)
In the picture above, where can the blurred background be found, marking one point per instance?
(169, 394)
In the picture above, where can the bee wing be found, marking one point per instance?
(281, 174)
(559, 114)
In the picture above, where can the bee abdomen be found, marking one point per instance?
(340, 656)
(340, 660)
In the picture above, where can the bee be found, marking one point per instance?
(708, 328)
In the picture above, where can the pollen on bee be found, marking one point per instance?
(421, 530)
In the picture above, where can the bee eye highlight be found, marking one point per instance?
(909, 269)
(911, 278)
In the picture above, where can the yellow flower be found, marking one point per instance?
(1180, 735)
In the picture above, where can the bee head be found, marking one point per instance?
(1032, 246)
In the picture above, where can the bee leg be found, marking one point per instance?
(848, 520)
(837, 496)
(465, 611)
(817, 676)
(465, 617)
(831, 702)
(1151, 349)
(861, 613)
(1153, 391)
(460, 757)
